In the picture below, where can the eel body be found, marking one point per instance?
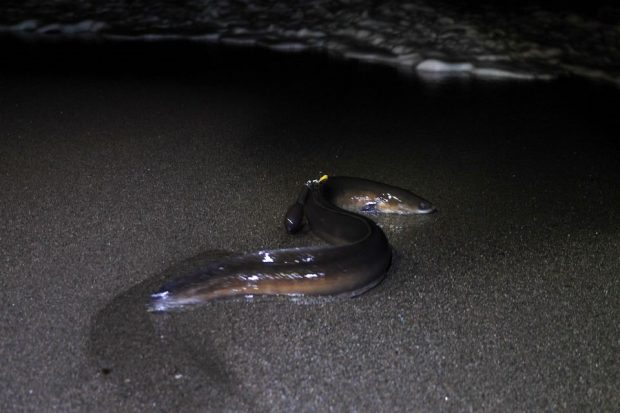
(356, 260)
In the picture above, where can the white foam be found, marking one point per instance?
(238, 40)
(434, 65)
(285, 46)
(422, 36)
(25, 26)
(36, 27)
(85, 26)
(506, 74)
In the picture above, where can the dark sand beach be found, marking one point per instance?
(123, 164)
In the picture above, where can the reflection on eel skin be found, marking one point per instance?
(357, 259)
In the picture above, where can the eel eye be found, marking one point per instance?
(369, 207)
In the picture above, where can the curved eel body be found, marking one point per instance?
(356, 260)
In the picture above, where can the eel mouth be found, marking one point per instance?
(425, 207)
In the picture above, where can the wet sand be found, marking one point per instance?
(121, 165)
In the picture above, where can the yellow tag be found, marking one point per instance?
(323, 178)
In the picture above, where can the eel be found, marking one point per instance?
(356, 260)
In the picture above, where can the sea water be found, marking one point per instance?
(428, 38)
